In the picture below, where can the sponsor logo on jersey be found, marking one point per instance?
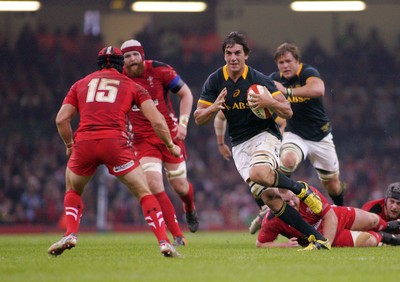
(124, 166)
(237, 106)
(296, 99)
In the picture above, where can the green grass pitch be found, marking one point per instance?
(210, 256)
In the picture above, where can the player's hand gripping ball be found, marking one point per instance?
(257, 89)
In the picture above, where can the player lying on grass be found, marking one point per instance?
(343, 226)
(388, 208)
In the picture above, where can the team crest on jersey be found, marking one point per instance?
(124, 166)
(150, 80)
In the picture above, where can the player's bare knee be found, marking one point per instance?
(363, 239)
(291, 156)
(263, 175)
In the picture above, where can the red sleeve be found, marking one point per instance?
(72, 97)
(269, 229)
(140, 94)
(167, 75)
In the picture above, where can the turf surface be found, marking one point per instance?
(210, 256)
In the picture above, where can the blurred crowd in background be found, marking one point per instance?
(362, 99)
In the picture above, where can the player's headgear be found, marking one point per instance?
(110, 57)
(132, 45)
(393, 191)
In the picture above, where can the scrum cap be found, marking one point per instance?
(132, 45)
(393, 191)
(110, 57)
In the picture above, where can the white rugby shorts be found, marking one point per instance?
(322, 154)
(264, 142)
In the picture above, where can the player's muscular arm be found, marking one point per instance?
(63, 123)
(330, 225)
(186, 103)
(220, 129)
(205, 113)
(313, 88)
(185, 109)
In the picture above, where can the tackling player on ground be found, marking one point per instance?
(343, 226)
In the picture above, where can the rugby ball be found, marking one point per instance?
(257, 89)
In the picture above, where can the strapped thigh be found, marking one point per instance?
(327, 175)
(263, 158)
(180, 172)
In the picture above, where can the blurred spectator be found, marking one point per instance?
(32, 199)
(348, 46)
(315, 55)
(376, 58)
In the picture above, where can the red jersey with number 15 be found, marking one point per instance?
(158, 79)
(103, 99)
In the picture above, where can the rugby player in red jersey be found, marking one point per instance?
(344, 226)
(387, 208)
(102, 99)
(161, 80)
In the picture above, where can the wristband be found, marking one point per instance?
(289, 92)
(170, 145)
(69, 145)
(184, 120)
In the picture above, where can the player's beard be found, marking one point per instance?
(136, 70)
